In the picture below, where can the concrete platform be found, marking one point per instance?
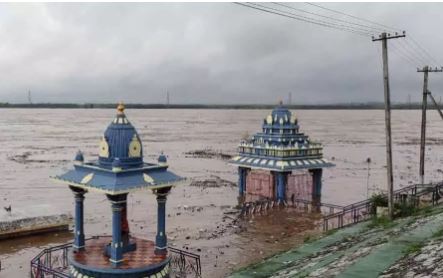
(32, 220)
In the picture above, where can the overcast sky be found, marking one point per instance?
(205, 53)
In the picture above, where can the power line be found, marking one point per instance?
(355, 17)
(424, 50)
(405, 57)
(301, 18)
(418, 52)
(368, 32)
(412, 54)
(421, 51)
(400, 54)
(316, 21)
(371, 28)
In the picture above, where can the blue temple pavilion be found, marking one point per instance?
(118, 171)
(279, 149)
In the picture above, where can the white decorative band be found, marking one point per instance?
(113, 261)
(164, 247)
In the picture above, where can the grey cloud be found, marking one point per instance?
(203, 53)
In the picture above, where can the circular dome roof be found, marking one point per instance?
(121, 141)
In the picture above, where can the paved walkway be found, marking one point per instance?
(357, 251)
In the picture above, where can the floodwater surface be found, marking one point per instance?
(39, 143)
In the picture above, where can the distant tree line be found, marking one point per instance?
(356, 106)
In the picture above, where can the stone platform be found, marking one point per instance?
(92, 261)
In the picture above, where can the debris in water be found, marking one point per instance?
(208, 153)
(212, 182)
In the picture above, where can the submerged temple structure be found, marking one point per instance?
(119, 170)
(280, 162)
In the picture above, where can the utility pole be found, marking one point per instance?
(167, 98)
(29, 97)
(426, 70)
(384, 37)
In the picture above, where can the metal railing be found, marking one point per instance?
(364, 210)
(53, 262)
(312, 206)
(184, 264)
(249, 208)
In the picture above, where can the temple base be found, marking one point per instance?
(142, 262)
(131, 246)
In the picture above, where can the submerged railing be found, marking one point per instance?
(53, 262)
(249, 208)
(335, 216)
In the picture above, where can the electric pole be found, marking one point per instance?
(426, 70)
(384, 37)
(29, 97)
(167, 98)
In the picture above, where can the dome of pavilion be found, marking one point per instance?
(120, 167)
(121, 142)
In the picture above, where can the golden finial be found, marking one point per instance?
(120, 107)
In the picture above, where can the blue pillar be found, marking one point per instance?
(161, 241)
(79, 234)
(316, 184)
(281, 187)
(241, 181)
(116, 247)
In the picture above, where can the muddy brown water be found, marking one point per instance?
(38, 143)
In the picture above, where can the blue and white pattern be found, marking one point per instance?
(280, 146)
(120, 167)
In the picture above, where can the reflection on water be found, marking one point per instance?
(38, 143)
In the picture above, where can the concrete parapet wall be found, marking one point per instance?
(34, 225)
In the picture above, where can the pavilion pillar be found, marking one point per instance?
(316, 185)
(125, 225)
(242, 172)
(161, 241)
(118, 204)
(79, 234)
(281, 180)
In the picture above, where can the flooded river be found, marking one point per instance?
(38, 143)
